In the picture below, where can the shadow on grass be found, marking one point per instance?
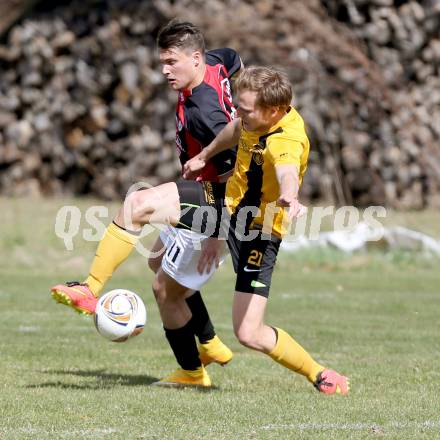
(103, 380)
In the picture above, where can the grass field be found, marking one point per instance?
(372, 317)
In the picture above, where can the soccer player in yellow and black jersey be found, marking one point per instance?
(249, 212)
(254, 182)
(261, 197)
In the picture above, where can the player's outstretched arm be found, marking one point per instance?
(226, 139)
(288, 180)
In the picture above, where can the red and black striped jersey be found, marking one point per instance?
(202, 112)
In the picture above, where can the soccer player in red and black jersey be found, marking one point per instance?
(204, 107)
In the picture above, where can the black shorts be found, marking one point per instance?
(254, 262)
(201, 205)
(253, 254)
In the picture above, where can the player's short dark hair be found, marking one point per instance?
(272, 86)
(182, 35)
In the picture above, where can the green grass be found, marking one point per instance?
(374, 317)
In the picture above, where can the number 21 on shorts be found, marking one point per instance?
(255, 257)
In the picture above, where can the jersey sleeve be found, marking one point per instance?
(283, 150)
(226, 56)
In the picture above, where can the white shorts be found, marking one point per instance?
(182, 256)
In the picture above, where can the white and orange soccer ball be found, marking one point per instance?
(120, 314)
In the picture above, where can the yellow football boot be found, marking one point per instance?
(214, 351)
(186, 378)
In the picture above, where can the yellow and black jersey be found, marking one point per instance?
(254, 182)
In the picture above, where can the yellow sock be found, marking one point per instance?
(113, 249)
(291, 355)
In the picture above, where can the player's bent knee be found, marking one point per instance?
(247, 336)
(164, 293)
(128, 214)
(142, 207)
(159, 291)
(131, 201)
(138, 206)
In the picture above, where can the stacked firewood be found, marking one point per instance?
(372, 105)
(84, 108)
(402, 38)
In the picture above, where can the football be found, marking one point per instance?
(120, 314)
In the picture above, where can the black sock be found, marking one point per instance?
(184, 346)
(200, 321)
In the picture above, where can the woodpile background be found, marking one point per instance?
(84, 108)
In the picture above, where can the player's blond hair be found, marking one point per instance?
(272, 86)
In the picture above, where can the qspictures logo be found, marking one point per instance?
(69, 219)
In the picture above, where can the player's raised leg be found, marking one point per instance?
(251, 331)
(154, 205)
